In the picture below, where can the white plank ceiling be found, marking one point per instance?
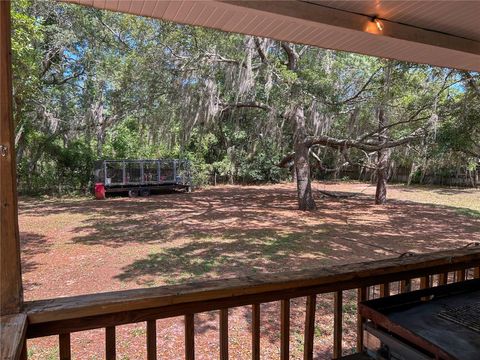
(441, 33)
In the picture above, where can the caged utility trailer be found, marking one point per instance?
(141, 177)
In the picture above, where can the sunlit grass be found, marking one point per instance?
(465, 201)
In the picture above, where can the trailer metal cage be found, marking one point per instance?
(139, 177)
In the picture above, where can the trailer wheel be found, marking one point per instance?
(145, 192)
(132, 193)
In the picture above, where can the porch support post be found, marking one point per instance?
(11, 293)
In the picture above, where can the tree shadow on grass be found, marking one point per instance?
(236, 253)
(32, 244)
(162, 218)
(350, 231)
(236, 231)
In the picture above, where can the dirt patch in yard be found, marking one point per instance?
(78, 246)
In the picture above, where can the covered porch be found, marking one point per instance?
(408, 32)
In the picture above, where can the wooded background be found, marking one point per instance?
(91, 84)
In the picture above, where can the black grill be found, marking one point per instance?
(467, 315)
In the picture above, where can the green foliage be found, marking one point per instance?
(64, 168)
(92, 84)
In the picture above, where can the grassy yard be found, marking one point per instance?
(77, 246)
(464, 201)
(461, 200)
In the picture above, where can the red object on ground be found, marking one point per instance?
(99, 191)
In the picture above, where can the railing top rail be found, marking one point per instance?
(265, 287)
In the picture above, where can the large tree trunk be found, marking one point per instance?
(381, 193)
(383, 155)
(413, 169)
(382, 165)
(338, 160)
(302, 165)
(382, 177)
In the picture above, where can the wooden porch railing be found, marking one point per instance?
(64, 316)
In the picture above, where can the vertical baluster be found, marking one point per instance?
(460, 275)
(424, 282)
(405, 285)
(361, 296)
(309, 327)
(256, 331)
(384, 289)
(224, 334)
(151, 340)
(285, 329)
(110, 343)
(371, 292)
(337, 324)
(189, 337)
(408, 286)
(65, 349)
(443, 278)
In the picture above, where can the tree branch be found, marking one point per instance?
(471, 81)
(286, 161)
(359, 92)
(366, 146)
(260, 50)
(291, 55)
(117, 35)
(65, 80)
(254, 104)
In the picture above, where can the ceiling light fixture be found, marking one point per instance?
(378, 23)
